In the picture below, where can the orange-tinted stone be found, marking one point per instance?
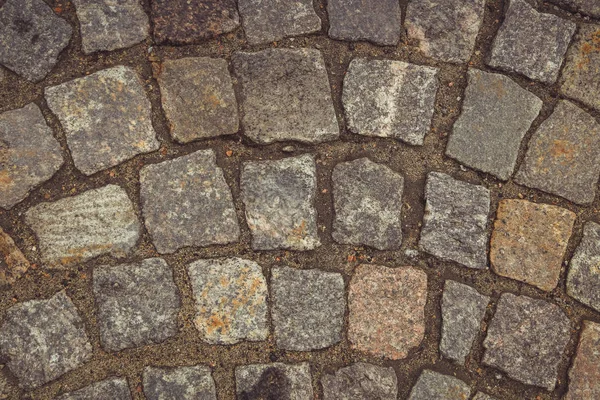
(13, 263)
(584, 376)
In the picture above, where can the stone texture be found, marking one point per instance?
(31, 37)
(274, 381)
(387, 310)
(272, 20)
(433, 385)
(182, 383)
(231, 300)
(367, 199)
(109, 389)
(308, 308)
(29, 154)
(198, 98)
(110, 24)
(563, 157)
(186, 202)
(584, 376)
(76, 229)
(456, 220)
(583, 279)
(589, 7)
(386, 98)
(361, 381)
(106, 118)
(496, 115)
(43, 339)
(137, 303)
(463, 309)
(446, 30)
(13, 263)
(526, 339)
(531, 43)
(483, 396)
(279, 197)
(285, 95)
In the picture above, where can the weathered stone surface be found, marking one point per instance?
(531, 43)
(483, 396)
(182, 383)
(285, 95)
(105, 116)
(583, 279)
(29, 154)
(31, 37)
(495, 116)
(386, 98)
(273, 20)
(279, 197)
(75, 229)
(109, 389)
(186, 202)
(13, 263)
(433, 385)
(361, 381)
(584, 376)
(137, 303)
(526, 339)
(192, 21)
(274, 381)
(308, 308)
(231, 300)
(367, 199)
(589, 7)
(198, 98)
(456, 220)
(446, 30)
(43, 339)
(563, 157)
(387, 310)
(463, 309)
(110, 24)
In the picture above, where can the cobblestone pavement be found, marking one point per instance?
(276, 199)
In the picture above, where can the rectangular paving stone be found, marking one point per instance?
(455, 221)
(181, 383)
(76, 229)
(361, 381)
(433, 385)
(588, 7)
(112, 388)
(274, 381)
(13, 264)
(385, 98)
(584, 375)
(583, 278)
(496, 115)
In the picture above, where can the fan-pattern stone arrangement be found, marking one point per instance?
(308, 199)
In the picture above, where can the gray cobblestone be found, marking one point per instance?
(182, 383)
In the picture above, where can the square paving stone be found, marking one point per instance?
(109, 389)
(529, 242)
(526, 339)
(198, 98)
(181, 383)
(285, 95)
(531, 43)
(361, 381)
(186, 202)
(13, 264)
(109, 25)
(367, 199)
(387, 310)
(589, 7)
(106, 117)
(274, 381)
(584, 375)
(308, 308)
(30, 154)
(76, 229)
(231, 300)
(433, 385)
(446, 30)
(456, 220)
(43, 339)
(563, 157)
(279, 197)
(384, 98)
(496, 115)
(137, 303)
(583, 278)
(31, 37)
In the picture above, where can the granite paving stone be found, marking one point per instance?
(496, 115)
(109, 389)
(361, 381)
(13, 263)
(308, 308)
(583, 278)
(186, 202)
(526, 339)
(285, 95)
(385, 98)
(137, 303)
(181, 383)
(367, 199)
(433, 385)
(43, 339)
(588, 7)
(563, 156)
(456, 220)
(106, 118)
(584, 375)
(531, 43)
(274, 381)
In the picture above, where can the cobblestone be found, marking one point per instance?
(583, 279)
(274, 381)
(589, 7)
(584, 376)
(183, 383)
(433, 385)
(13, 264)
(361, 381)
(112, 388)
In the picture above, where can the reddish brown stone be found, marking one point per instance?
(584, 377)
(13, 263)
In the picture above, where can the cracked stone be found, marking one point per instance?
(433, 385)
(274, 381)
(589, 7)
(488, 134)
(181, 383)
(13, 264)
(106, 117)
(285, 95)
(584, 376)
(361, 381)
(583, 279)
(112, 388)
(384, 98)
(187, 202)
